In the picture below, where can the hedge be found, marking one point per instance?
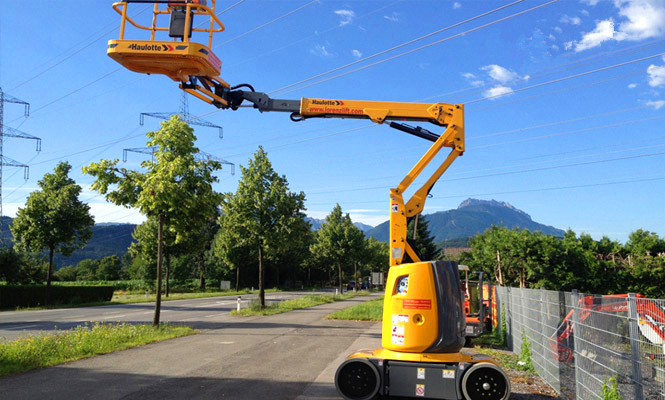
(34, 295)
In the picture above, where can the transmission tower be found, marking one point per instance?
(200, 156)
(184, 113)
(6, 131)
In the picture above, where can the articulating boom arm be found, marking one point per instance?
(440, 114)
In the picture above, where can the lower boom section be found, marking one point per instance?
(455, 376)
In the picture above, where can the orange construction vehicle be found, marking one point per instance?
(479, 304)
(651, 321)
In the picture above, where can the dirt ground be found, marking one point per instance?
(526, 387)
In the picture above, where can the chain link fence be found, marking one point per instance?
(580, 342)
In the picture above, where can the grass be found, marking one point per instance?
(120, 297)
(294, 304)
(38, 351)
(369, 311)
(491, 344)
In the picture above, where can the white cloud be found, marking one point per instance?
(656, 104)
(585, 13)
(656, 75)
(565, 19)
(632, 85)
(567, 45)
(604, 31)
(591, 2)
(640, 20)
(473, 80)
(356, 53)
(394, 17)
(500, 74)
(320, 51)
(554, 47)
(558, 29)
(456, 5)
(551, 37)
(644, 19)
(346, 16)
(497, 91)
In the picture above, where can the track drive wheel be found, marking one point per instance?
(485, 381)
(357, 379)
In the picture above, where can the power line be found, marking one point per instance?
(542, 189)
(102, 36)
(396, 47)
(567, 78)
(267, 23)
(424, 46)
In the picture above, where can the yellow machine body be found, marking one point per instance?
(410, 320)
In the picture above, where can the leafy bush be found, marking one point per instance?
(611, 389)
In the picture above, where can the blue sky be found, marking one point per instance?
(565, 110)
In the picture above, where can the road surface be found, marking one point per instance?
(193, 312)
(286, 356)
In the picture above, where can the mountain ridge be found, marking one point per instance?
(471, 217)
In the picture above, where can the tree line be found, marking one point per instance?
(522, 258)
(256, 236)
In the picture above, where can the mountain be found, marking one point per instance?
(471, 217)
(107, 239)
(316, 224)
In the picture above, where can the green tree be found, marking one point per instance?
(53, 219)
(86, 270)
(109, 268)
(263, 214)
(338, 241)
(422, 242)
(176, 188)
(16, 267)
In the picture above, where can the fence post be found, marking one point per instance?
(633, 321)
(576, 343)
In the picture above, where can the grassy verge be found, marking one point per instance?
(134, 297)
(85, 341)
(492, 345)
(369, 311)
(294, 304)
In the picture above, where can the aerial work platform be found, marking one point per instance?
(178, 58)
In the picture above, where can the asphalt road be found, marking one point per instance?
(286, 356)
(193, 312)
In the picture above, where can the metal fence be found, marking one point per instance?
(579, 342)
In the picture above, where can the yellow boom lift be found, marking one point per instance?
(423, 318)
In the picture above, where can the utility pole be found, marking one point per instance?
(6, 131)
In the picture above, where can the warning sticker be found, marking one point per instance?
(421, 373)
(417, 304)
(449, 373)
(400, 318)
(398, 330)
(397, 339)
(395, 207)
(396, 252)
(420, 390)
